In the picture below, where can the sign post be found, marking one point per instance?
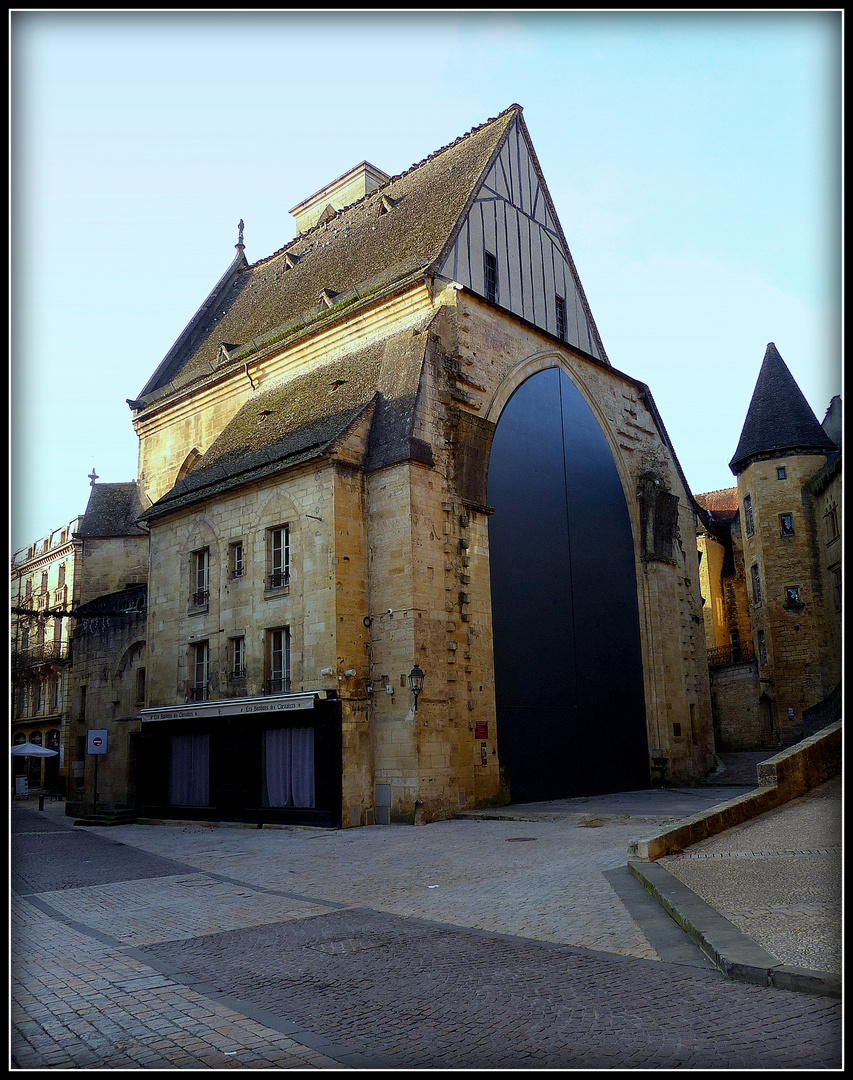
(96, 744)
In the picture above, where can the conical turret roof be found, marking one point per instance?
(779, 419)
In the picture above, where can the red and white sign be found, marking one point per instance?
(96, 741)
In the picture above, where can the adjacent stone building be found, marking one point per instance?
(771, 571)
(397, 446)
(101, 551)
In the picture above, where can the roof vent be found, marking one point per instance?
(387, 204)
(327, 297)
(347, 189)
(290, 260)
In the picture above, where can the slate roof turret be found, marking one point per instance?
(779, 419)
(112, 510)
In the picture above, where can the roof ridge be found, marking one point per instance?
(391, 180)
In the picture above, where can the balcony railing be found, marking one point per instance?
(277, 686)
(199, 598)
(742, 653)
(199, 693)
(54, 652)
(278, 579)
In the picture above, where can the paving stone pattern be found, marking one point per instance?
(463, 944)
(420, 995)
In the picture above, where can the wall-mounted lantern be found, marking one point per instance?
(416, 682)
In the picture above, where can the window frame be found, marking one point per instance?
(490, 276)
(749, 515)
(200, 661)
(236, 559)
(560, 315)
(278, 660)
(755, 575)
(786, 529)
(278, 558)
(200, 578)
(237, 657)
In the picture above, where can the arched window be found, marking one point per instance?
(189, 462)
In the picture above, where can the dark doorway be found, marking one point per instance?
(568, 667)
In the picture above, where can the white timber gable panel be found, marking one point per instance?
(512, 219)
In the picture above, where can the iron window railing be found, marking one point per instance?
(724, 655)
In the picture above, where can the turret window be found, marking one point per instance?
(749, 521)
(756, 584)
(786, 524)
(781, 472)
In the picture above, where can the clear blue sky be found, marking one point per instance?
(694, 160)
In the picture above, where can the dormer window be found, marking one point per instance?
(387, 204)
(327, 298)
(290, 261)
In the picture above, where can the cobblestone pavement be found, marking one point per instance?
(462, 944)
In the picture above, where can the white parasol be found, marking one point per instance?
(28, 749)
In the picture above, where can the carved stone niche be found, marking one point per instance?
(472, 445)
(658, 518)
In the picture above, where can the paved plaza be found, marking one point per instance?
(485, 942)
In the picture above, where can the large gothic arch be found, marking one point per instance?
(568, 662)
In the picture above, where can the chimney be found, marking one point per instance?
(344, 191)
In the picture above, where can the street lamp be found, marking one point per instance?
(416, 682)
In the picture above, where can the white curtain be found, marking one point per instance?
(189, 767)
(289, 767)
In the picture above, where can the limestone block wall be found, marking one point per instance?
(800, 647)
(109, 564)
(109, 652)
(735, 692)
(242, 606)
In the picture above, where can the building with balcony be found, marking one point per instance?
(101, 550)
(394, 445)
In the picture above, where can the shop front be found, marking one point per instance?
(273, 760)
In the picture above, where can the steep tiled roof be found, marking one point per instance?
(779, 418)
(112, 511)
(295, 421)
(363, 249)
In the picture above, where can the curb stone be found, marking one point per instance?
(731, 950)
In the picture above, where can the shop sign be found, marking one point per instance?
(238, 707)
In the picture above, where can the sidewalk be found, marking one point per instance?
(762, 900)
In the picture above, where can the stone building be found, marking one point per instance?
(771, 571)
(397, 445)
(100, 551)
(44, 579)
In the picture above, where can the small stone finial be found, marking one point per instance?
(239, 245)
(93, 476)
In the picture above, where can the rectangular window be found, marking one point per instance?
(561, 318)
(835, 574)
(38, 697)
(235, 559)
(747, 514)
(490, 276)
(786, 524)
(762, 648)
(140, 684)
(55, 695)
(278, 661)
(200, 577)
(278, 540)
(82, 703)
(237, 648)
(200, 659)
(756, 584)
(781, 472)
(792, 596)
(831, 519)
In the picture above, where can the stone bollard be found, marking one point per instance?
(41, 802)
